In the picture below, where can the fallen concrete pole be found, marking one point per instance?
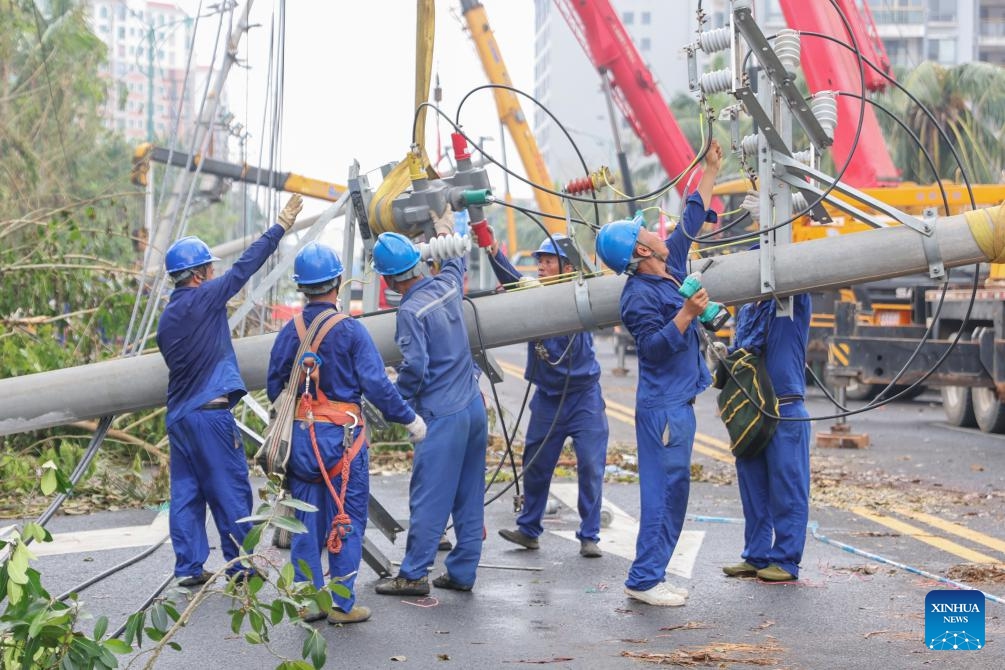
(74, 394)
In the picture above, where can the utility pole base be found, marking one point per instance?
(840, 436)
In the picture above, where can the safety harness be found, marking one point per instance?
(346, 414)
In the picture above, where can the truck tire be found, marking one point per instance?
(282, 538)
(958, 405)
(988, 410)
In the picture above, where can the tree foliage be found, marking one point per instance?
(967, 102)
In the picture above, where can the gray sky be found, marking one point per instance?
(349, 80)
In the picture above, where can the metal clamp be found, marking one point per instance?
(583, 307)
(936, 268)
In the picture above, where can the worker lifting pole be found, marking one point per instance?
(131, 384)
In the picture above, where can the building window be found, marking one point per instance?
(942, 51)
(628, 18)
(103, 11)
(121, 32)
(943, 11)
(645, 44)
(646, 18)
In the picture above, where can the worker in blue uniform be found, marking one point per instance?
(208, 464)
(671, 373)
(775, 484)
(567, 404)
(437, 376)
(350, 366)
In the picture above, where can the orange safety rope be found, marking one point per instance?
(341, 524)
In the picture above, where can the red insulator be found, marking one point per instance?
(581, 185)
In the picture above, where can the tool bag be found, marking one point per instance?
(746, 395)
(274, 453)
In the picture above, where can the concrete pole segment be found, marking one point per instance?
(73, 394)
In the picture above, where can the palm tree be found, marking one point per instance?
(967, 102)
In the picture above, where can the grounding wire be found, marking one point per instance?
(111, 571)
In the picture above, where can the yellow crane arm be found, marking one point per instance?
(510, 112)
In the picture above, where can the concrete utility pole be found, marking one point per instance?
(125, 385)
(160, 237)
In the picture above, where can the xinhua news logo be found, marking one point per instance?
(954, 620)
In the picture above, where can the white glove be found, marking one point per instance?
(443, 223)
(416, 430)
(288, 216)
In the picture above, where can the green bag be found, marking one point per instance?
(742, 377)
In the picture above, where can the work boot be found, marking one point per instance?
(660, 595)
(399, 586)
(444, 581)
(310, 617)
(195, 580)
(517, 537)
(589, 549)
(773, 573)
(742, 569)
(357, 614)
(445, 544)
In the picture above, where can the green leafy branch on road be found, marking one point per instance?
(38, 631)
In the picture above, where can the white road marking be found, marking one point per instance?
(107, 538)
(619, 538)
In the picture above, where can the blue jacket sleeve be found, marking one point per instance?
(281, 361)
(504, 270)
(453, 270)
(377, 388)
(226, 286)
(411, 340)
(655, 337)
(694, 217)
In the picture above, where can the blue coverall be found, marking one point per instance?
(437, 376)
(351, 366)
(208, 464)
(775, 484)
(580, 416)
(671, 373)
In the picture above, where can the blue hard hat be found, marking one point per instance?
(188, 252)
(616, 243)
(394, 254)
(316, 263)
(548, 247)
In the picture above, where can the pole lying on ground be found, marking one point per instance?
(73, 394)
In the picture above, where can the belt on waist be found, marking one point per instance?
(216, 404)
(788, 399)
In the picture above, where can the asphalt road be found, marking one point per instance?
(924, 503)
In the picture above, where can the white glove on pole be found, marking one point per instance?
(416, 430)
(288, 216)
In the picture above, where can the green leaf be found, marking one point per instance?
(287, 574)
(171, 611)
(158, 617)
(254, 518)
(117, 646)
(17, 565)
(154, 634)
(316, 648)
(236, 621)
(252, 637)
(252, 538)
(255, 584)
(36, 532)
(134, 628)
(276, 612)
(340, 589)
(100, 627)
(323, 598)
(293, 503)
(289, 523)
(49, 482)
(257, 622)
(174, 645)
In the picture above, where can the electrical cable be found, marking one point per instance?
(146, 603)
(111, 571)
